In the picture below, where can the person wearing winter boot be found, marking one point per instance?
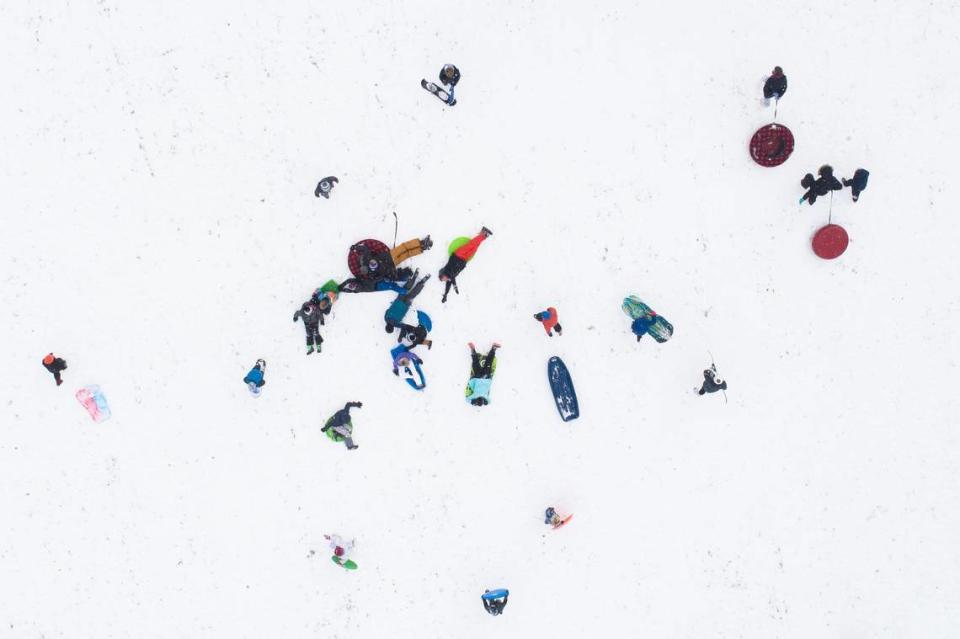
(340, 548)
(254, 378)
(712, 381)
(495, 601)
(821, 186)
(482, 368)
(398, 309)
(312, 315)
(341, 427)
(413, 336)
(449, 76)
(410, 248)
(550, 320)
(858, 183)
(775, 86)
(55, 365)
(458, 261)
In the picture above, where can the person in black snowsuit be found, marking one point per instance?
(821, 186)
(858, 183)
(415, 335)
(55, 365)
(449, 76)
(712, 381)
(495, 606)
(312, 313)
(775, 86)
(340, 423)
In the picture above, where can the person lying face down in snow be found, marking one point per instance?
(481, 375)
(458, 261)
(821, 186)
(383, 265)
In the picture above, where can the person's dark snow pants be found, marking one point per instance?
(484, 369)
(313, 335)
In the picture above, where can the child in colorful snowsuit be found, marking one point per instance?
(858, 183)
(398, 309)
(550, 320)
(312, 315)
(341, 424)
(254, 378)
(821, 186)
(55, 365)
(481, 375)
(449, 76)
(496, 605)
(712, 381)
(458, 261)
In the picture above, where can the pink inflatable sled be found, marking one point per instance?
(93, 400)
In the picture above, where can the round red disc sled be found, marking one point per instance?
(771, 145)
(830, 241)
(353, 257)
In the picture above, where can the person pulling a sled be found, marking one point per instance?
(550, 320)
(458, 261)
(821, 186)
(341, 426)
(642, 324)
(481, 375)
(775, 86)
(449, 76)
(55, 365)
(712, 382)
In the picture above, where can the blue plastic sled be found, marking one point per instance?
(495, 594)
(419, 372)
(424, 320)
(562, 386)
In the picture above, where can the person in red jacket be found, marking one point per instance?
(550, 320)
(458, 261)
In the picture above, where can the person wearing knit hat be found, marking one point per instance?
(54, 364)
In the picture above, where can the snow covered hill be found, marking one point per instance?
(160, 230)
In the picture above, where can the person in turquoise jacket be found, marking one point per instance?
(481, 375)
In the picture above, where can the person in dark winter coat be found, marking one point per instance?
(712, 381)
(550, 321)
(775, 86)
(55, 365)
(414, 335)
(449, 76)
(383, 265)
(312, 315)
(458, 261)
(254, 378)
(495, 604)
(341, 424)
(821, 186)
(858, 183)
(642, 324)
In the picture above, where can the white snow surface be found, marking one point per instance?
(160, 230)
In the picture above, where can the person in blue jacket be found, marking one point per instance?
(858, 183)
(449, 76)
(481, 375)
(410, 362)
(642, 324)
(254, 378)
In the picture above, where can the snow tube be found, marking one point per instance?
(495, 594)
(771, 145)
(424, 320)
(457, 243)
(353, 257)
(830, 241)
